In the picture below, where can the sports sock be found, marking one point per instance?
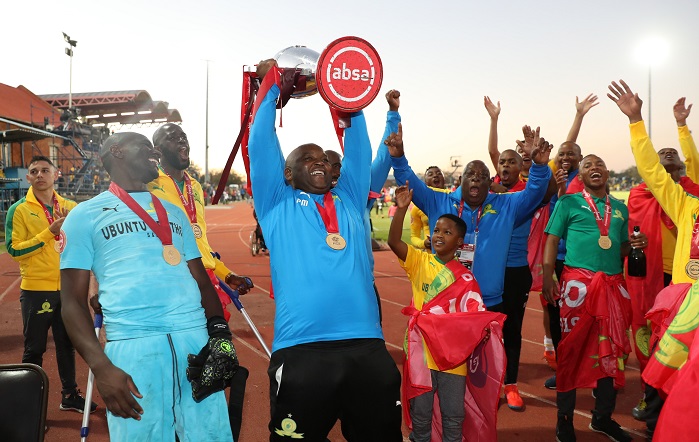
(548, 344)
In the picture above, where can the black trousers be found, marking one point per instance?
(605, 399)
(555, 311)
(518, 282)
(313, 385)
(41, 311)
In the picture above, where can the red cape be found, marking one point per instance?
(455, 332)
(595, 314)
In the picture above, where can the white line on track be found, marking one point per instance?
(251, 347)
(10, 287)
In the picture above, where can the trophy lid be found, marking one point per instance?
(298, 57)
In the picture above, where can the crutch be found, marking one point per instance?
(85, 430)
(235, 298)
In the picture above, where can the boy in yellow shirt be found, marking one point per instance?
(448, 323)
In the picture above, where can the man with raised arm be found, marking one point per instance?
(490, 218)
(565, 168)
(169, 353)
(683, 210)
(380, 167)
(326, 318)
(645, 211)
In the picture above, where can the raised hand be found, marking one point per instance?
(629, 103)
(493, 110)
(561, 177)
(542, 150)
(588, 103)
(395, 142)
(530, 138)
(403, 196)
(264, 66)
(58, 218)
(393, 100)
(681, 112)
(561, 181)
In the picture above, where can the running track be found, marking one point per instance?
(229, 232)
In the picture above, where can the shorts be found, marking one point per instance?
(158, 367)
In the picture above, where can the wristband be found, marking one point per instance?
(218, 328)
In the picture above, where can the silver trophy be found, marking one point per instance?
(298, 64)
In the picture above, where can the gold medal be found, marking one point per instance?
(692, 268)
(196, 228)
(604, 242)
(58, 244)
(171, 255)
(335, 241)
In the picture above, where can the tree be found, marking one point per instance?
(233, 178)
(194, 171)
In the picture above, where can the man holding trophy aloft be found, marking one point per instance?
(329, 358)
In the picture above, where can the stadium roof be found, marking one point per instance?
(117, 107)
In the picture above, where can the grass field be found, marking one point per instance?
(382, 223)
(623, 196)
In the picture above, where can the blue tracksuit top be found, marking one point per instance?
(321, 294)
(379, 172)
(499, 215)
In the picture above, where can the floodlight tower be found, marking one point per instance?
(69, 53)
(652, 52)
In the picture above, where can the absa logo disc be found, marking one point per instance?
(349, 74)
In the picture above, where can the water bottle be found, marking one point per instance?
(637, 259)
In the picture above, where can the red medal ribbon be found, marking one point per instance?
(694, 245)
(478, 216)
(189, 206)
(49, 216)
(328, 213)
(161, 228)
(602, 225)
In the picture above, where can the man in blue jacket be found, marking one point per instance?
(329, 358)
(490, 217)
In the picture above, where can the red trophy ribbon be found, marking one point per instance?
(189, 205)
